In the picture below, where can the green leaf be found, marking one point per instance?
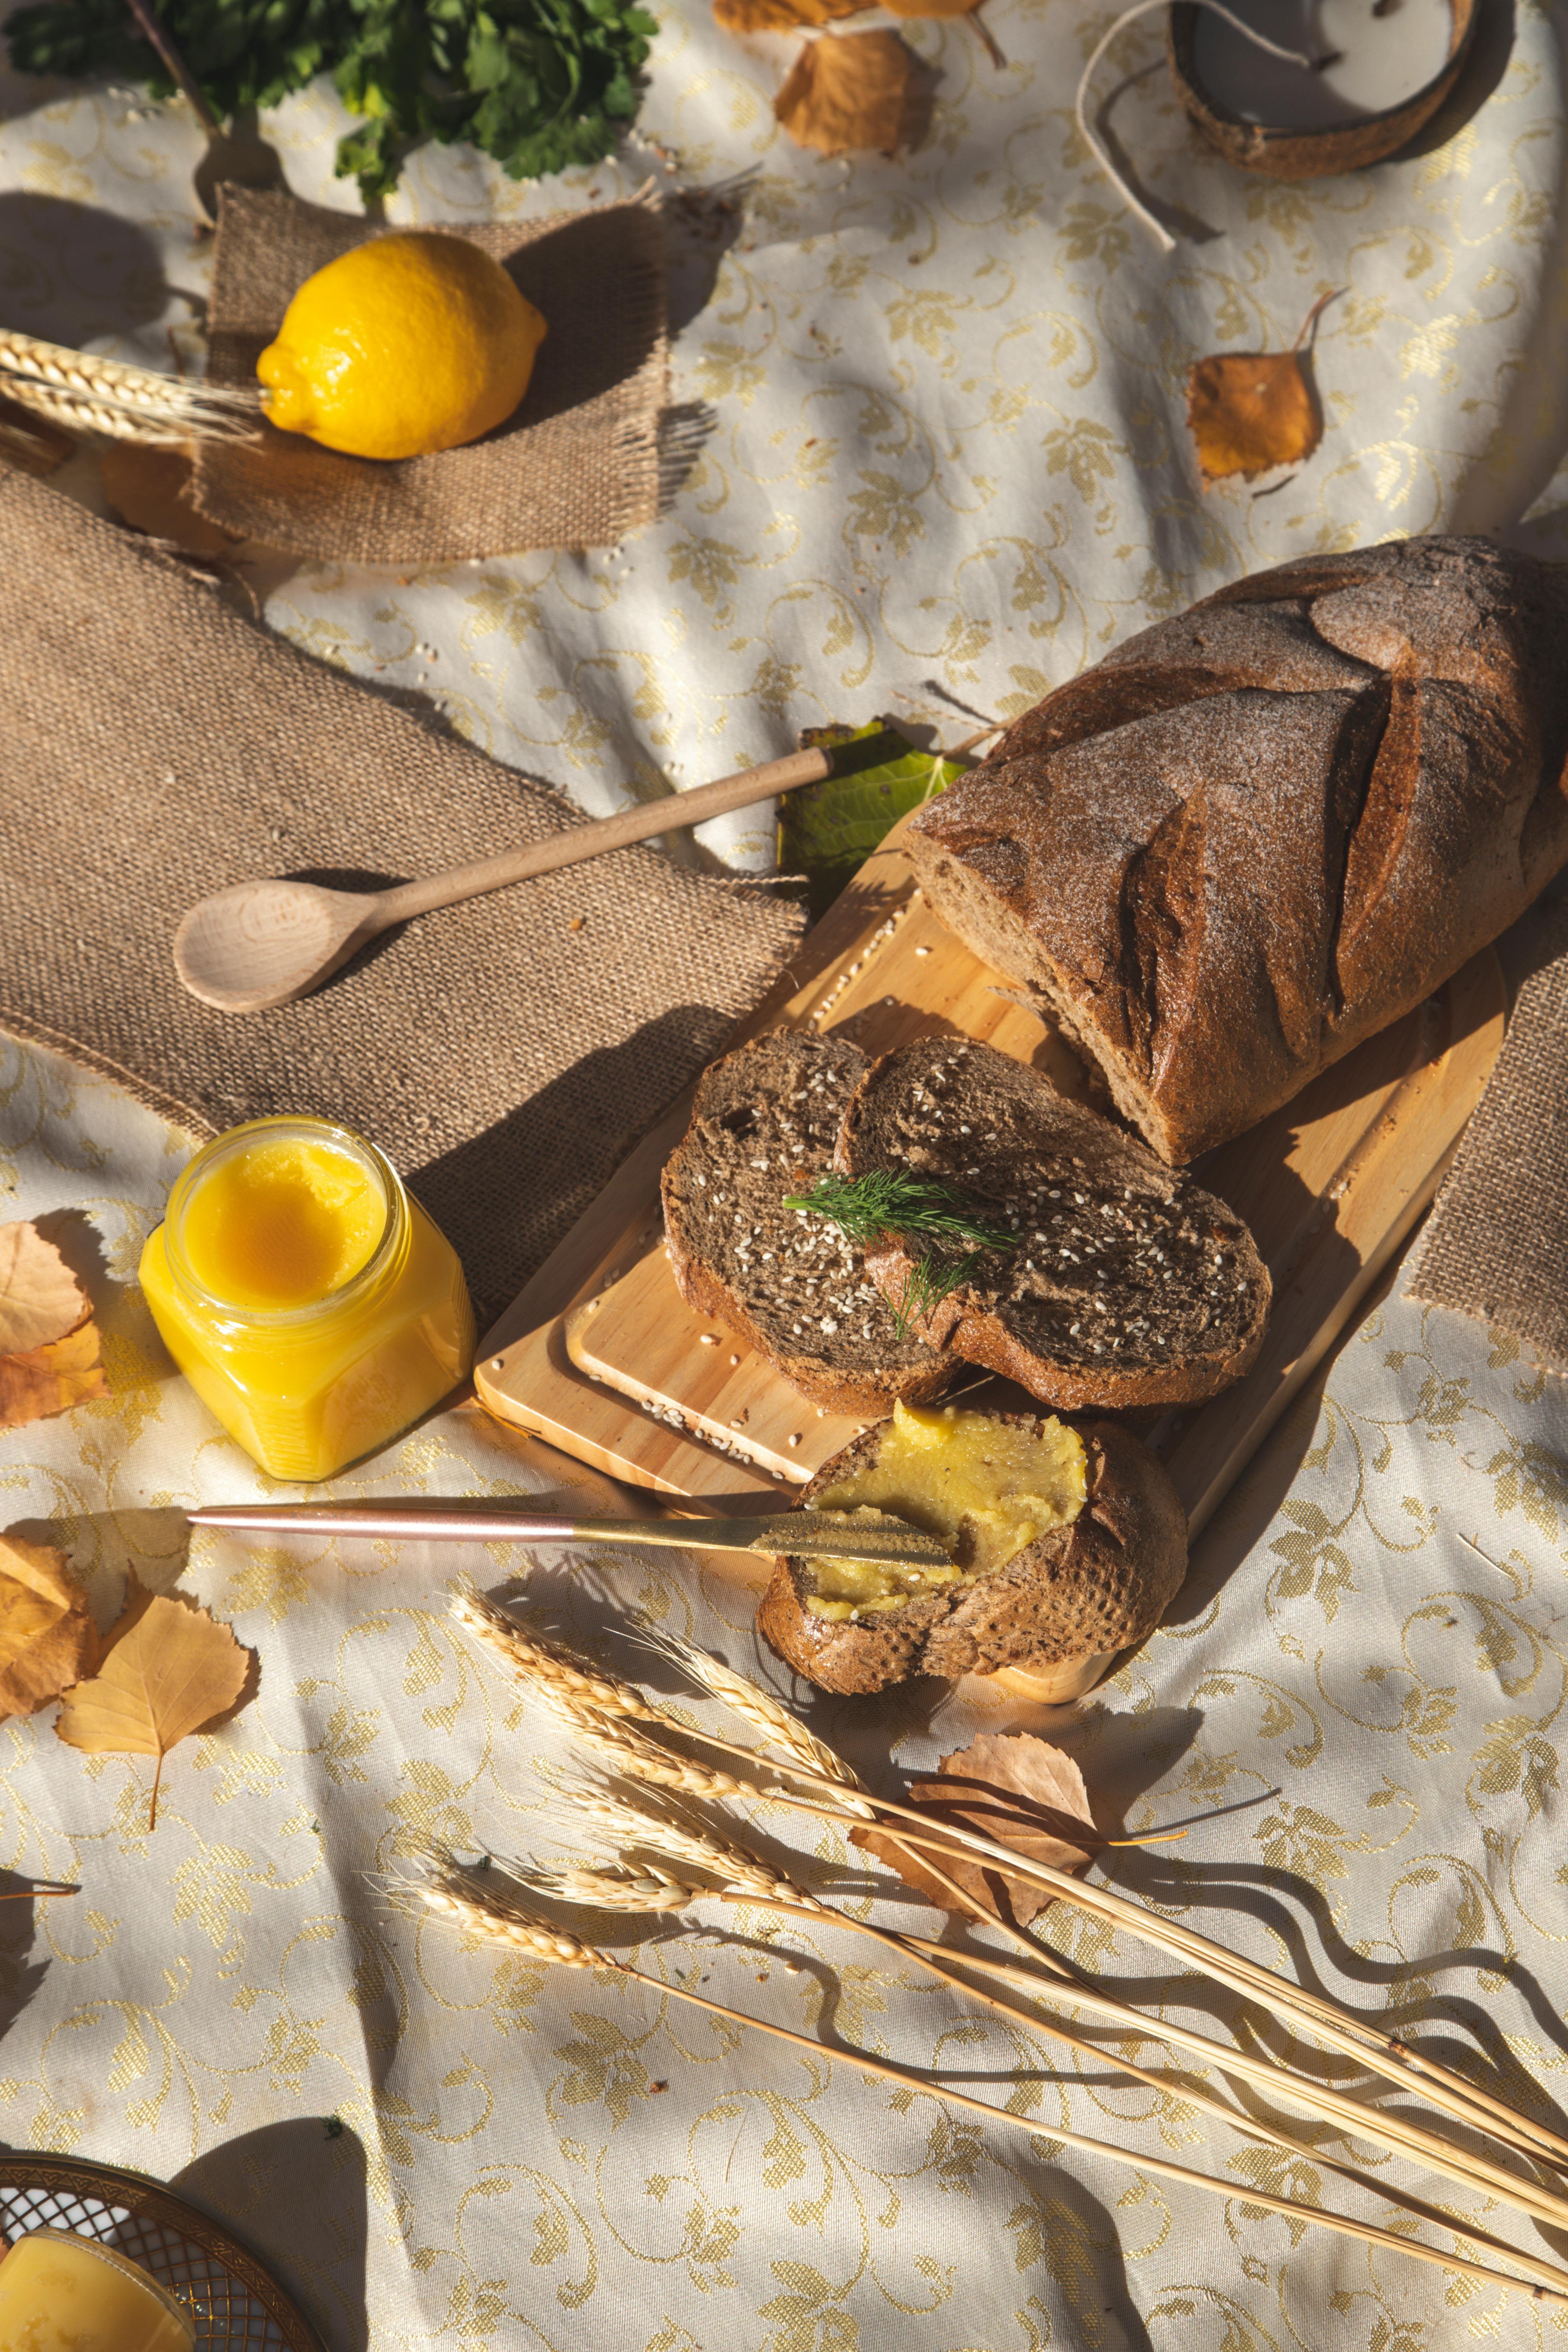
(828, 831)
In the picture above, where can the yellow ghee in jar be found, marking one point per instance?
(310, 1303)
(64, 2293)
(283, 1224)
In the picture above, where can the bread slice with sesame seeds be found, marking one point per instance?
(763, 1124)
(1127, 1284)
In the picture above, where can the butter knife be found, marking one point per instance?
(882, 1542)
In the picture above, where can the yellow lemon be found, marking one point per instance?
(407, 344)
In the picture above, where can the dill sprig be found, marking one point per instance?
(890, 1200)
(931, 1278)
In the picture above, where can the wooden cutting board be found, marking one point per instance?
(602, 1357)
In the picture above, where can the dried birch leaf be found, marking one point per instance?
(1012, 1788)
(45, 1380)
(782, 15)
(1250, 412)
(40, 1298)
(148, 487)
(168, 1670)
(853, 89)
(46, 1635)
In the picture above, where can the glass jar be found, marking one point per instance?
(310, 1352)
(60, 2293)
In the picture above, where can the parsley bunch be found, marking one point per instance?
(538, 84)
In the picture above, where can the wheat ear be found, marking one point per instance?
(486, 1912)
(764, 1713)
(545, 1668)
(128, 404)
(460, 1898)
(548, 1669)
(633, 1752)
(638, 1886)
(676, 1836)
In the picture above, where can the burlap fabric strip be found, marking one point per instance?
(505, 1053)
(1497, 1245)
(578, 466)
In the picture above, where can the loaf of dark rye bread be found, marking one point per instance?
(763, 1124)
(1257, 833)
(1129, 1285)
(1085, 1589)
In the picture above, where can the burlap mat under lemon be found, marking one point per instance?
(578, 466)
(1497, 1243)
(505, 1053)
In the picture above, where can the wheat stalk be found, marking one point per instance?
(485, 1911)
(630, 1824)
(641, 1887)
(557, 1674)
(1338, 2028)
(567, 1683)
(764, 1713)
(460, 1898)
(125, 403)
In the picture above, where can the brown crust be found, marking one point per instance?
(1265, 829)
(1096, 1586)
(984, 1339)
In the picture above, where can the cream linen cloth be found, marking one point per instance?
(941, 440)
(439, 2144)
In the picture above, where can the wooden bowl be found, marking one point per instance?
(1297, 155)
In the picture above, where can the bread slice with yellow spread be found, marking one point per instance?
(1067, 1544)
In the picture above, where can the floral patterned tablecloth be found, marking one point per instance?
(942, 459)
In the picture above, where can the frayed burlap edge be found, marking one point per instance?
(23, 1032)
(1496, 1245)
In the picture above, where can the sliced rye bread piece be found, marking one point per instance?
(1130, 1286)
(763, 1124)
(1087, 1589)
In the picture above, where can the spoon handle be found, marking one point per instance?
(580, 842)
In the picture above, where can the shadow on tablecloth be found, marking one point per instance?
(295, 2192)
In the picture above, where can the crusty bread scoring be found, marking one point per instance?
(1259, 832)
(1091, 1587)
(763, 1126)
(1129, 1285)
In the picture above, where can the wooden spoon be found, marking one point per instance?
(265, 943)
